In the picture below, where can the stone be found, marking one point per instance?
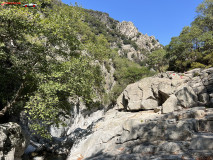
(170, 104)
(132, 96)
(202, 142)
(211, 95)
(186, 96)
(38, 158)
(29, 149)
(204, 97)
(144, 149)
(12, 141)
(119, 104)
(205, 125)
(194, 71)
(169, 147)
(130, 157)
(198, 114)
(132, 133)
(127, 28)
(149, 104)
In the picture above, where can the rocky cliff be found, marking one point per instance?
(131, 43)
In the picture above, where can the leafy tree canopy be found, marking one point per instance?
(194, 46)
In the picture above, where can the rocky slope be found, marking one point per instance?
(171, 91)
(131, 43)
(167, 118)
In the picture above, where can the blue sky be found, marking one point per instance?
(161, 18)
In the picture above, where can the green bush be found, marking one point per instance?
(126, 41)
(153, 42)
(127, 72)
(197, 65)
(134, 45)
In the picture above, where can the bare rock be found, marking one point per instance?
(186, 96)
(170, 105)
(12, 141)
(202, 142)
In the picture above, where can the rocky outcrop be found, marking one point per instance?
(147, 135)
(143, 41)
(128, 29)
(170, 90)
(131, 43)
(141, 44)
(103, 17)
(164, 120)
(12, 141)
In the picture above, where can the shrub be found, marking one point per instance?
(138, 35)
(134, 45)
(197, 65)
(127, 41)
(153, 42)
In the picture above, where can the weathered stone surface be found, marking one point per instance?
(186, 96)
(38, 158)
(191, 89)
(170, 105)
(150, 134)
(144, 149)
(202, 142)
(205, 125)
(149, 104)
(198, 114)
(169, 147)
(204, 97)
(133, 96)
(12, 141)
(143, 134)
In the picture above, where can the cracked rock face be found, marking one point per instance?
(143, 42)
(170, 90)
(176, 127)
(147, 135)
(12, 141)
(128, 29)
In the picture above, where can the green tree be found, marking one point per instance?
(194, 46)
(156, 59)
(41, 63)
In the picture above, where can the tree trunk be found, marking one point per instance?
(10, 104)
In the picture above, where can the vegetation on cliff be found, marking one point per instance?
(55, 52)
(47, 55)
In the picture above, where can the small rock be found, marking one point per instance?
(198, 114)
(38, 158)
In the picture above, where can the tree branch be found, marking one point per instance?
(10, 104)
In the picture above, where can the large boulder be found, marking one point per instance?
(186, 96)
(12, 141)
(170, 105)
(146, 94)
